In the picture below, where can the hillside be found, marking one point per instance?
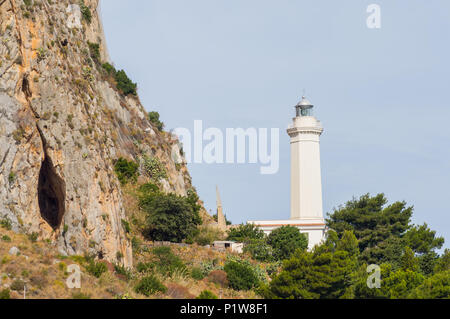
(38, 266)
(66, 116)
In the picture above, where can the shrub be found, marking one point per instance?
(126, 170)
(126, 226)
(206, 294)
(80, 295)
(285, 241)
(94, 49)
(154, 118)
(96, 268)
(176, 291)
(259, 250)
(122, 81)
(154, 168)
(145, 267)
(219, 277)
(209, 266)
(123, 272)
(169, 217)
(6, 223)
(85, 12)
(166, 262)
(6, 238)
(124, 84)
(207, 235)
(17, 285)
(245, 232)
(11, 177)
(5, 294)
(148, 189)
(33, 237)
(111, 70)
(197, 273)
(240, 276)
(150, 285)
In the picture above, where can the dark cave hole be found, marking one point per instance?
(26, 87)
(51, 194)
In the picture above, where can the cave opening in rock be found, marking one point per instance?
(51, 194)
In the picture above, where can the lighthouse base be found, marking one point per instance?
(315, 229)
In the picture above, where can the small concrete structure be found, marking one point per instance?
(224, 245)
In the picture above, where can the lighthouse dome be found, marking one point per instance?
(304, 103)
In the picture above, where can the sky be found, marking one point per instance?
(381, 94)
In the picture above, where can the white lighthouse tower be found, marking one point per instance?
(306, 180)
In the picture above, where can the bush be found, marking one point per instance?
(17, 285)
(6, 223)
(197, 273)
(285, 241)
(245, 233)
(4, 294)
(126, 170)
(145, 267)
(154, 118)
(94, 49)
(218, 277)
(85, 12)
(6, 238)
(154, 168)
(207, 235)
(111, 70)
(126, 226)
(122, 271)
(166, 262)
(169, 217)
(240, 276)
(124, 84)
(259, 250)
(149, 286)
(206, 294)
(148, 189)
(96, 268)
(80, 295)
(33, 237)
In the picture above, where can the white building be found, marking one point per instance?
(306, 181)
(224, 245)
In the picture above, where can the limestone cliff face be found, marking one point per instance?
(62, 125)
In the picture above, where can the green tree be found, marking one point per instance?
(374, 224)
(154, 118)
(399, 284)
(434, 287)
(423, 240)
(240, 276)
(169, 217)
(409, 261)
(245, 233)
(326, 272)
(443, 263)
(285, 241)
(124, 84)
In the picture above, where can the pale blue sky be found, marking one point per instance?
(382, 95)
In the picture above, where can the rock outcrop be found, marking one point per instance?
(63, 123)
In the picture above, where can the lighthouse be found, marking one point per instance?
(306, 180)
(306, 210)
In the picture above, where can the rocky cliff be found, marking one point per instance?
(63, 123)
